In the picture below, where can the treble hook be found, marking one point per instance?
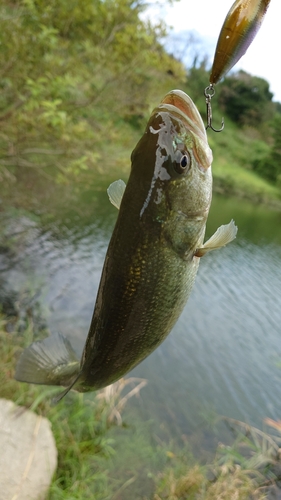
(209, 92)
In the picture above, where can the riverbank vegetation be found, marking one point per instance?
(77, 87)
(83, 428)
(70, 74)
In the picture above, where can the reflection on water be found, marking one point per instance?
(221, 355)
(223, 351)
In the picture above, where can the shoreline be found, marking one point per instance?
(225, 188)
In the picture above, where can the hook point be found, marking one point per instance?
(214, 129)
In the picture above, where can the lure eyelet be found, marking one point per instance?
(209, 92)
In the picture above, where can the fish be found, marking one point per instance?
(152, 257)
(239, 29)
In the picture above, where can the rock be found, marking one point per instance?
(28, 454)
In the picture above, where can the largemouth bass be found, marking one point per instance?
(152, 258)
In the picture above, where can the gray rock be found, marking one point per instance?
(28, 454)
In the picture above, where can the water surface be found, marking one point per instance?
(221, 357)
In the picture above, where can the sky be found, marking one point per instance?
(205, 18)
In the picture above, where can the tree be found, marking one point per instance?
(68, 69)
(246, 98)
(270, 165)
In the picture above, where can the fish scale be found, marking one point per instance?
(147, 296)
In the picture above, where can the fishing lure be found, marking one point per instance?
(238, 31)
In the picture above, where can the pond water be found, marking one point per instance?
(222, 356)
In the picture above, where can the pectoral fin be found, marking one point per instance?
(115, 192)
(223, 235)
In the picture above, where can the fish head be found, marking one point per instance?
(172, 164)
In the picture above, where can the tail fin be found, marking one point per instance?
(51, 361)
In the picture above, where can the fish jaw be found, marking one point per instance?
(181, 106)
(189, 112)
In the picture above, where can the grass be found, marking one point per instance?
(79, 429)
(82, 427)
(80, 424)
(234, 150)
(219, 480)
(248, 469)
(231, 484)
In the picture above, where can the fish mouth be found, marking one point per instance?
(179, 104)
(187, 109)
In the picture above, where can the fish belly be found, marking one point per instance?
(144, 287)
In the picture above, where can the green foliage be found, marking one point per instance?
(226, 482)
(242, 153)
(68, 70)
(83, 431)
(246, 99)
(234, 150)
(77, 82)
(197, 81)
(268, 165)
(249, 468)
(80, 424)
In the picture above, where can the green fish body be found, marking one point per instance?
(152, 258)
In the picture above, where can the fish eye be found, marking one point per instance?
(182, 163)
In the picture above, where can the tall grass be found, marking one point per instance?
(248, 469)
(81, 425)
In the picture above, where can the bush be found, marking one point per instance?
(269, 165)
(68, 70)
(246, 99)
